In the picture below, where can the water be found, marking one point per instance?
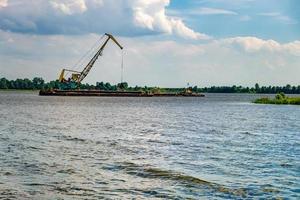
(217, 147)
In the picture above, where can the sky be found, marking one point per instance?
(167, 43)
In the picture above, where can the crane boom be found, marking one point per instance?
(77, 77)
(89, 66)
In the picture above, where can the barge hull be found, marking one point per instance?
(100, 93)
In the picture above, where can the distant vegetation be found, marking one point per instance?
(280, 98)
(38, 83)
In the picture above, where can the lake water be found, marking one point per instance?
(218, 147)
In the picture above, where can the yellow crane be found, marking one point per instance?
(77, 77)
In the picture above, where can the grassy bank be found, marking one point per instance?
(280, 98)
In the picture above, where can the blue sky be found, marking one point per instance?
(268, 19)
(167, 42)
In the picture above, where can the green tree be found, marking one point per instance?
(100, 86)
(4, 83)
(38, 83)
(107, 86)
(280, 96)
(122, 86)
(257, 88)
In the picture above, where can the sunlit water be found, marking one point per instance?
(218, 147)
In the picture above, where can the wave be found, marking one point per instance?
(146, 171)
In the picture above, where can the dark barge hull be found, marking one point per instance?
(101, 93)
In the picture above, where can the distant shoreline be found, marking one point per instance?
(37, 90)
(38, 83)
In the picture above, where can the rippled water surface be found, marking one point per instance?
(217, 147)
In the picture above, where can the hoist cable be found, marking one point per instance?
(89, 52)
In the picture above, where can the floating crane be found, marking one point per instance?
(70, 86)
(77, 77)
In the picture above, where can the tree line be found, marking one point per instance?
(288, 89)
(38, 83)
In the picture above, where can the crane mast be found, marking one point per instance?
(78, 77)
(89, 66)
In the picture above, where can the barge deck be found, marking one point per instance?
(101, 93)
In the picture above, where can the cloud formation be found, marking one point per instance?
(59, 32)
(239, 60)
(253, 44)
(69, 7)
(127, 17)
(212, 11)
(3, 3)
(152, 15)
(280, 17)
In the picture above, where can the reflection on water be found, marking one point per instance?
(219, 147)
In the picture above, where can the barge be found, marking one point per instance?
(102, 93)
(70, 80)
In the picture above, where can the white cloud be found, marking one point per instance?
(280, 17)
(3, 3)
(212, 11)
(253, 44)
(69, 7)
(245, 18)
(152, 15)
(127, 17)
(293, 48)
(151, 61)
(180, 29)
(226, 3)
